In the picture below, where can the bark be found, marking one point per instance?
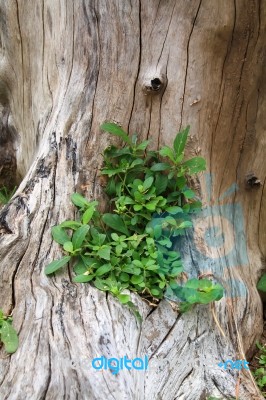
(66, 67)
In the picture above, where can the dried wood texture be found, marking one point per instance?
(65, 67)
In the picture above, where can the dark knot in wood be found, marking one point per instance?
(252, 181)
(154, 84)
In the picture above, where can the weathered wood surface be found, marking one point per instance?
(65, 67)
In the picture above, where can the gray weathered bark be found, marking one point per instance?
(67, 66)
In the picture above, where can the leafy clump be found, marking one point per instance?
(195, 291)
(131, 247)
(260, 373)
(8, 335)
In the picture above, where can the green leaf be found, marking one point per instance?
(147, 183)
(68, 246)
(118, 249)
(134, 139)
(70, 224)
(80, 267)
(189, 194)
(151, 206)
(124, 277)
(79, 201)
(59, 235)
(195, 165)
(180, 141)
(137, 207)
(79, 236)
(103, 269)
(138, 161)
(166, 151)
(88, 261)
(137, 263)
(111, 172)
(116, 222)
(152, 267)
(160, 167)
(123, 298)
(156, 292)
(9, 337)
(110, 187)
(115, 236)
(142, 146)
(194, 283)
(174, 210)
(55, 265)
(104, 253)
(262, 283)
(160, 183)
(116, 130)
(136, 279)
(100, 284)
(157, 231)
(185, 224)
(87, 216)
(83, 278)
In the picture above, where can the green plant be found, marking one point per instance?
(260, 373)
(5, 195)
(195, 291)
(8, 335)
(262, 283)
(131, 247)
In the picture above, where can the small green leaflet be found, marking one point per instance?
(79, 236)
(147, 183)
(174, 210)
(104, 252)
(59, 235)
(167, 152)
(185, 224)
(80, 267)
(123, 298)
(79, 200)
(155, 292)
(142, 146)
(87, 216)
(103, 269)
(83, 278)
(136, 279)
(195, 165)
(70, 224)
(262, 283)
(180, 141)
(115, 222)
(160, 167)
(160, 183)
(57, 264)
(189, 194)
(113, 128)
(9, 337)
(68, 246)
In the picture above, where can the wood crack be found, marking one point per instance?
(139, 64)
(186, 72)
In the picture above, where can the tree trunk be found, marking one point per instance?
(66, 67)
